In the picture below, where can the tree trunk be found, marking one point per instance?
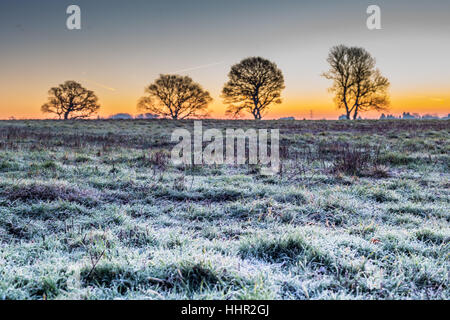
(255, 113)
(348, 113)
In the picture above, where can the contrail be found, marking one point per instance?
(199, 67)
(101, 85)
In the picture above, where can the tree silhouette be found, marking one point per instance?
(71, 101)
(254, 84)
(176, 97)
(358, 86)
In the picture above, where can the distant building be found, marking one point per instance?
(121, 116)
(287, 118)
(430, 117)
(413, 116)
(147, 116)
(387, 117)
(409, 116)
(343, 117)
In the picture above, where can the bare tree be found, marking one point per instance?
(254, 84)
(358, 86)
(176, 97)
(71, 101)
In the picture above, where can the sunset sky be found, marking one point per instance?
(124, 45)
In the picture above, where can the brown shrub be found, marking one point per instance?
(350, 159)
(159, 159)
(49, 192)
(354, 160)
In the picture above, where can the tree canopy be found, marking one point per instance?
(176, 97)
(254, 85)
(358, 86)
(71, 101)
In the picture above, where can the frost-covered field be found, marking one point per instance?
(94, 210)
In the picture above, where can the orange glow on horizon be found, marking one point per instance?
(319, 106)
